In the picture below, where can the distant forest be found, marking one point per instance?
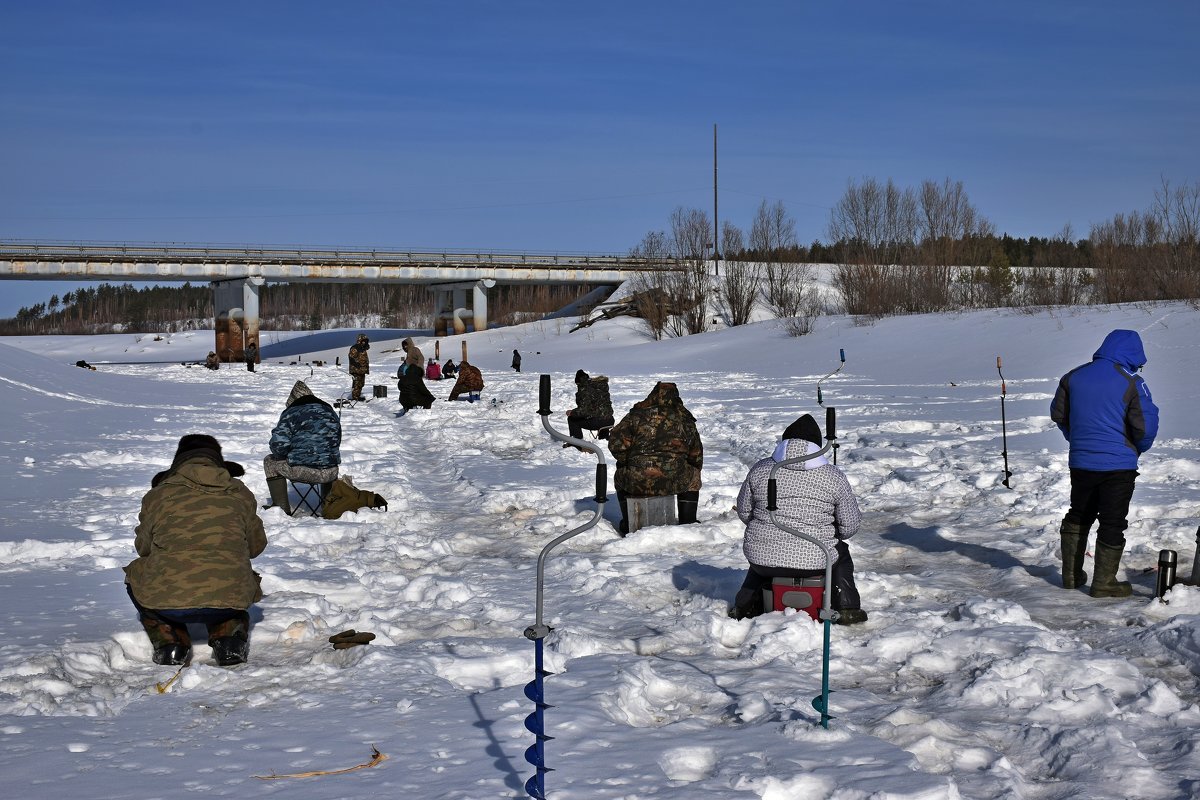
(111, 308)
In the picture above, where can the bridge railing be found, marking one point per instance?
(18, 250)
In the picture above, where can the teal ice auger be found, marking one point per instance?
(826, 614)
(535, 723)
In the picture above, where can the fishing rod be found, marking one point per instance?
(842, 354)
(1003, 423)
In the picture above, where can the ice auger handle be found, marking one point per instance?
(601, 483)
(544, 395)
(771, 489)
(831, 423)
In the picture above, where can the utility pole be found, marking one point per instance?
(716, 223)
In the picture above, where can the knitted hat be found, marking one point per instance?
(805, 428)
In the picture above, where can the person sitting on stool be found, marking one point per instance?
(813, 496)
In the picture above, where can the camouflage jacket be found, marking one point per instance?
(470, 379)
(360, 362)
(657, 447)
(592, 400)
(197, 531)
(308, 434)
(413, 354)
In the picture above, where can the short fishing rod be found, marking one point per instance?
(1003, 424)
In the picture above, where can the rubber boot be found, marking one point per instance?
(687, 504)
(1105, 583)
(279, 493)
(1074, 543)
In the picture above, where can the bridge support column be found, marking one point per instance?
(235, 316)
(449, 306)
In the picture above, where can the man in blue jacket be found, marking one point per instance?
(1105, 411)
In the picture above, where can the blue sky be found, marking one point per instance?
(554, 126)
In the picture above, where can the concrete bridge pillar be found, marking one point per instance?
(235, 311)
(450, 306)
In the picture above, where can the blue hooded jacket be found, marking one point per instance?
(1104, 408)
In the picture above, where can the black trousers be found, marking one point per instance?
(749, 599)
(169, 626)
(577, 424)
(1104, 496)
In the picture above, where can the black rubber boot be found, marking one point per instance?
(172, 654)
(1105, 583)
(1074, 544)
(686, 504)
(230, 650)
(279, 493)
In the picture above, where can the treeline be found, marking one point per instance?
(911, 250)
(109, 308)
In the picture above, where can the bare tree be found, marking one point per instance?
(690, 288)
(651, 285)
(739, 280)
(773, 236)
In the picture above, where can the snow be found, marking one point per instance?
(977, 675)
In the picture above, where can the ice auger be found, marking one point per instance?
(826, 614)
(1003, 423)
(535, 723)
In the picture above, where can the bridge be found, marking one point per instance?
(236, 273)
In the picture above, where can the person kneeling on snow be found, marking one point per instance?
(197, 532)
(470, 383)
(812, 496)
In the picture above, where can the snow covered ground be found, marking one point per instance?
(977, 675)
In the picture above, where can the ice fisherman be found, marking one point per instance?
(1105, 411)
(305, 445)
(197, 532)
(658, 453)
(593, 406)
(470, 383)
(360, 365)
(812, 496)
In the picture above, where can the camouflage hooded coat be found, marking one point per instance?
(657, 446)
(360, 362)
(197, 531)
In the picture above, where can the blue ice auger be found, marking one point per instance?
(820, 399)
(534, 690)
(826, 614)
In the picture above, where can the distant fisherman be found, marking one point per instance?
(360, 365)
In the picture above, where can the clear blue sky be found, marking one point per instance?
(544, 126)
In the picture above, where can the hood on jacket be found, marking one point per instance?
(662, 394)
(795, 448)
(299, 389)
(1123, 347)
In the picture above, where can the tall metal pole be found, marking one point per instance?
(716, 222)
